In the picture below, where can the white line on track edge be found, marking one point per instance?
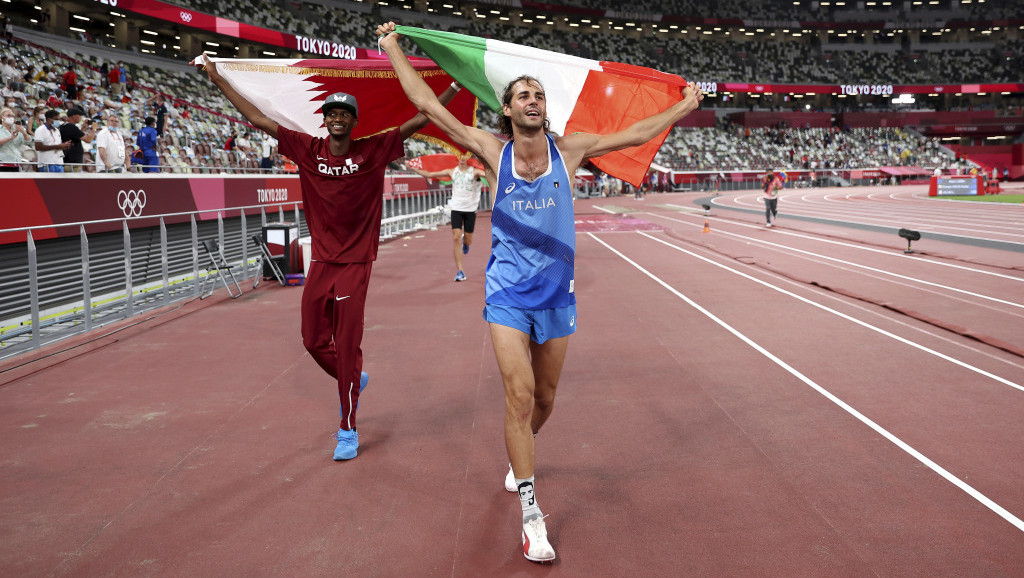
(988, 503)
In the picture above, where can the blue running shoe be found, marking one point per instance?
(465, 248)
(460, 276)
(348, 444)
(364, 378)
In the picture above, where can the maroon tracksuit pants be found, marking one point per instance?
(333, 302)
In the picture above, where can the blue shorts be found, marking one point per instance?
(539, 324)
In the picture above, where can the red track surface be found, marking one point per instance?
(798, 401)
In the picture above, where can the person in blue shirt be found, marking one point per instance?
(146, 142)
(530, 302)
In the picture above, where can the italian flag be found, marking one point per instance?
(582, 95)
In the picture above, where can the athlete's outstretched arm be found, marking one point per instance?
(638, 133)
(422, 97)
(248, 110)
(445, 174)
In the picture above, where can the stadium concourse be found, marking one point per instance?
(806, 400)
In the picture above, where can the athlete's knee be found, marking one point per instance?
(544, 395)
(519, 404)
(315, 342)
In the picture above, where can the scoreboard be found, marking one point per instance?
(956, 185)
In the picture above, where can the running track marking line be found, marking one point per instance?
(941, 229)
(864, 324)
(882, 271)
(988, 503)
(858, 247)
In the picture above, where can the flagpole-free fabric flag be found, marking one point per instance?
(439, 162)
(291, 92)
(582, 95)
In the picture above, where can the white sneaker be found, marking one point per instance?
(536, 547)
(767, 224)
(510, 481)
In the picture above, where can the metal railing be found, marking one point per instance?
(76, 285)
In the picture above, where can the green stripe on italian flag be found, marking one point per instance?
(582, 95)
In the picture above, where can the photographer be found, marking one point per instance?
(70, 132)
(13, 136)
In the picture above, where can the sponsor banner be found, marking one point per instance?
(46, 200)
(209, 23)
(858, 89)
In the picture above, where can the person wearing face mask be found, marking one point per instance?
(50, 149)
(38, 118)
(71, 133)
(13, 136)
(110, 148)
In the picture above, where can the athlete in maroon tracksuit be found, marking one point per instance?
(342, 189)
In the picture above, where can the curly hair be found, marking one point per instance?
(505, 122)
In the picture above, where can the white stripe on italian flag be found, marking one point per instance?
(582, 95)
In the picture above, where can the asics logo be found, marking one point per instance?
(132, 202)
(509, 188)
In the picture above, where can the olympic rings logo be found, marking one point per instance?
(131, 202)
(185, 16)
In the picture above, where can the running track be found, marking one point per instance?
(805, 400)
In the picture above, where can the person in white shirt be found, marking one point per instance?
(268, 149)
(49, 148)
(465, 200)
(13, 136)
(110, 150)
(242, 148)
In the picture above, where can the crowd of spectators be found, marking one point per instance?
(193, 128)
(198, 130)
(727, 147)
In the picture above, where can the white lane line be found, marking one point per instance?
(983, 499)
(864, 324)
(887, 253)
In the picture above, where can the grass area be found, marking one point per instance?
(1016, 199)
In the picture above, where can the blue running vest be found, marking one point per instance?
(533, 236)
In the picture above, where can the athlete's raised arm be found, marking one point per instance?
(479, 142)
(248, 109)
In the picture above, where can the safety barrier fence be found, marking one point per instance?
(55, 288)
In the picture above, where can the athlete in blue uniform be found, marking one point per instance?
(530, 299)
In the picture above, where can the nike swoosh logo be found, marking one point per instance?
(320, 158)
(336, 298)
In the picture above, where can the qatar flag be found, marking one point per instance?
(291, 92)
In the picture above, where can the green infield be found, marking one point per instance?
(1017, 199)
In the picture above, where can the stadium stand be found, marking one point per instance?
(776, 41)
